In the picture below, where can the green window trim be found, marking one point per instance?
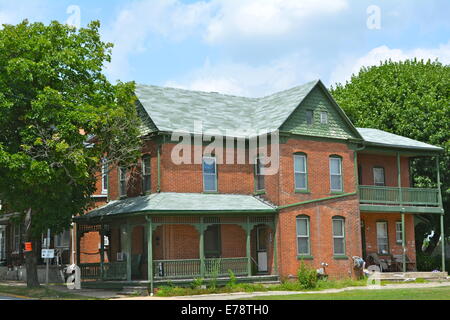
(340, 257)
(336, 174)
(305, 236)
(205, 174)
(298, 171)
(340, 236)
(303, 191)
(304, 257)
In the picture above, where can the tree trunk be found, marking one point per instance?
(31, 257)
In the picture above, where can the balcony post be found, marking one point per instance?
(202, 248)
(403, 243)
(128, 249)
(102, 252)
(248, 247)
(399, 179)
(150, 253)
(442, 215)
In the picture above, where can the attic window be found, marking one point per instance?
(324, 117)
(309, 117)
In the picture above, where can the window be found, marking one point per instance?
(398, 232)
(309, 117)
(212, 241)
(123, 181)
(146, 174)
(338, 236)
(62, 240)
(300, 172)
(382, 237)
(303, 247)
(378, 176)
(336, 174)
(359, 175)
(2, 243)
(324, 117)
(259, 175)
(209, 174)
(104, 176)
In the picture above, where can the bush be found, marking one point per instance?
(233, 280)
(197, 283)
(307, 276)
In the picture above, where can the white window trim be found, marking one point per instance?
(296, 156)
(324, 117)
(398, 232)
(387, 236)
(209, 174)
(339, 237)
(122, 178)
(374, 176)
(144, 172)
(307, 236)
(337, 175)
(312, 117)
(105, 174)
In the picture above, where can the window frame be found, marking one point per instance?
(16, 238)
(258, 175)
(123, 180)
(215, 174)
(398, 240)
(342, 237)
(387, 237)
(105, 178)
(335, 157)
(145, 175)
(384, 176)
(324, 117)
(298, 155)
(309, 120)
(307, 236)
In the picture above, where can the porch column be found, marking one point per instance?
(249, 257)
(150, 253)
(275, 249)
(102, 252)
(442, 215)
(403, 242)
(77, 234)
(128, 250)
(202, 248)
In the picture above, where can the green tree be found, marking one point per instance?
(412, 99)
(59, 116)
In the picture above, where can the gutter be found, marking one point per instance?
(317, 200)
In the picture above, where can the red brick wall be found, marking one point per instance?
(370, 220)
(389, 163)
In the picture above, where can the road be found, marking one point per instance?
(10, 298)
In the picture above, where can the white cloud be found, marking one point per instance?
(247, 19)
(344, 71)
(246, 80)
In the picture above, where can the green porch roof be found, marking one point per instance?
(183, 202)
(385, 139)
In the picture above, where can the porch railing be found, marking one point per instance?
(397, 196)
(191, 268)
(111, 271)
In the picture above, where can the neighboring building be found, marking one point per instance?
(339, 192)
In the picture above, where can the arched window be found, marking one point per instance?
(303, 236)
(300, 172)
(336, 174)
(338, 236)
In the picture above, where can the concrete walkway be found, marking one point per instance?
(243, 295)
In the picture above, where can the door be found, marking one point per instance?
(363, 239)
(261, 248)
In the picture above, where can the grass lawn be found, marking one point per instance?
(439, 293)
(42, 293)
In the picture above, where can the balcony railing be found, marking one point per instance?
(112, 271)
(399, 196)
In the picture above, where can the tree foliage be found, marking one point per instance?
(54, 102)
(412, 99)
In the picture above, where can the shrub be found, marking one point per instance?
(233, 280)
(307, 276)
(197, 283)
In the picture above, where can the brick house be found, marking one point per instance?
(337, 191)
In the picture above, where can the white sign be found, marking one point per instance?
(48, 253)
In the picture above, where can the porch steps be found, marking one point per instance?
(134, 291)
(411, 276)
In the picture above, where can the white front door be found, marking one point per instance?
(261, 248)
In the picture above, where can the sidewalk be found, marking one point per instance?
(243, 295)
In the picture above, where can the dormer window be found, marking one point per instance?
(324, 117)
(309, 117)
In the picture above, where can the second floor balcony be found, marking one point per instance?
(395, 199)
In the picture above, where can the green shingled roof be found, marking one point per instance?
(173, 109)
(383, 138)
(179, 202)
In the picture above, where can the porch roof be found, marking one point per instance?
(182, 202)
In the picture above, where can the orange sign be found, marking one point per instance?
(28, 247)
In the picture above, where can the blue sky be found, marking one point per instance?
(251, 47)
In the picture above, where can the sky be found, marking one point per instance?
(250, 47)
